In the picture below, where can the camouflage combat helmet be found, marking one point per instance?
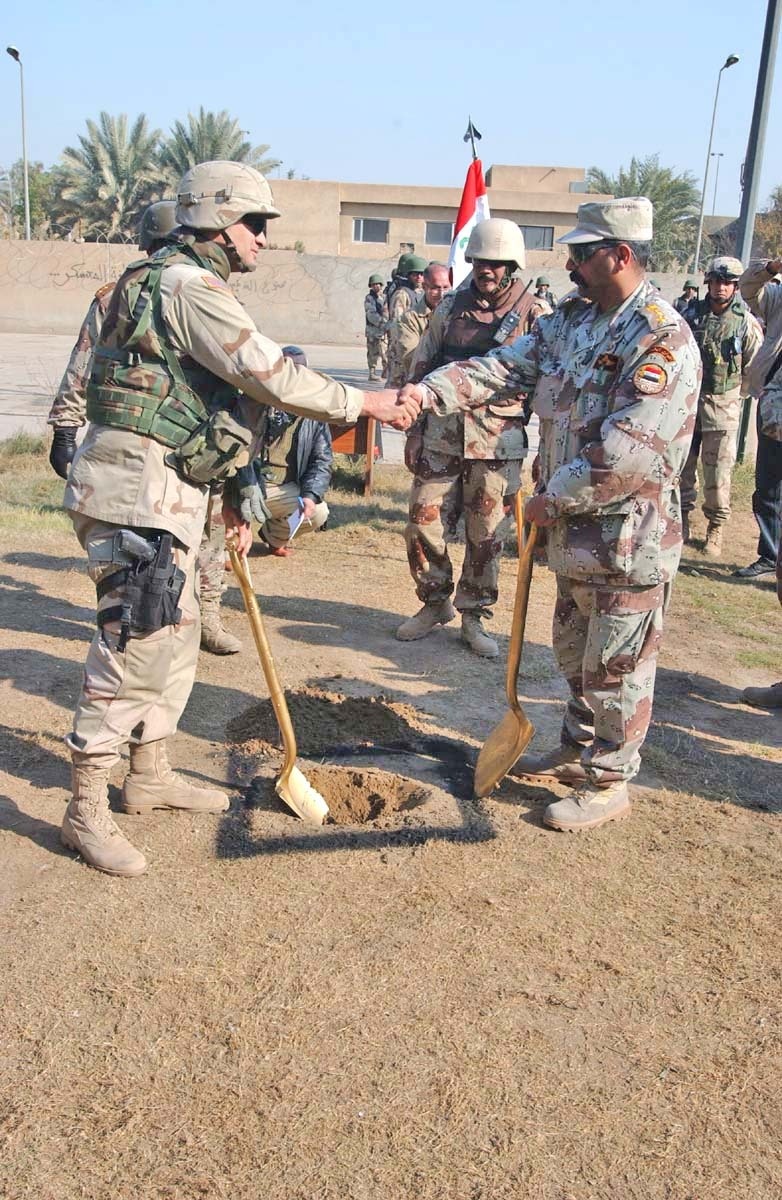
(496, 240)
(376, 278)
(214, 195)
(727, 269)
(542, 281)
(156, 223)
(411, 262)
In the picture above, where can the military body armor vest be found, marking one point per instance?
(470, 330)
(719, 340)
(137, 382)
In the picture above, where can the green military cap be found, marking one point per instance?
(375, 279)
(542, 281)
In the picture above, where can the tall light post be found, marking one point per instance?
(730, 61)
(718, 154)
(12, 50)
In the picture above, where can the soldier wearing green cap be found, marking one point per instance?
(613, 374)
(544, 293)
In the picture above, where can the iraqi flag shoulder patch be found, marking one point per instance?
(650, 378)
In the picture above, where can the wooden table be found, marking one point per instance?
(358, 439)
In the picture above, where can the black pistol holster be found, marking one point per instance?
(149, 588)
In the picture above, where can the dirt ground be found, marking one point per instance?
(429, 997)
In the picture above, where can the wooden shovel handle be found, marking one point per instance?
(242, 572)
(523, 580)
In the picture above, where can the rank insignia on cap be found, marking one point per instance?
(650, 379)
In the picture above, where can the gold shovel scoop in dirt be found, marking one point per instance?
(292, 786)
(511, 737)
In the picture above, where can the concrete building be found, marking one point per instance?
(380, 221)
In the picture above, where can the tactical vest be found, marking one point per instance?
(719, 339)
(137, 382)
(472, 324)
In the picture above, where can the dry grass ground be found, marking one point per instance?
(462, 1005)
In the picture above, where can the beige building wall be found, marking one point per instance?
(319, 216)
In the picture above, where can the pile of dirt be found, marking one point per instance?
(324, 720)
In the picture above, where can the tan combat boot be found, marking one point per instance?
(425, 620)
(151, 784)
(588, 807)
(214, 636)
(88, 828)
(562, 764)
(712, 547)
(476, 637)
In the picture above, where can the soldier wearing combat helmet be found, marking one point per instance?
(614, 374)
(467, 462)
(167, 421)
(375, 325)
(728, 338)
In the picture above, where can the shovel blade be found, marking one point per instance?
(506, 742)
(295, 790)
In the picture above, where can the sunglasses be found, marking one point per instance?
(581, 252)
(255, 223)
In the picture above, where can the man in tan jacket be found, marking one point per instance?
(177, 397)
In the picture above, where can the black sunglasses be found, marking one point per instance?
(581, 252)
(255, 223)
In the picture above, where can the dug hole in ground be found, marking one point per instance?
(430, 997)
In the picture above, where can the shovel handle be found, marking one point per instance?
(242, 572)
(520, 602)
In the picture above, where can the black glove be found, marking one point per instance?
(62, 450)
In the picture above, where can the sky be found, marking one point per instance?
(381, 93)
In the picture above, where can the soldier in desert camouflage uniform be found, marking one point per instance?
(467, 463)
(408, 285)
(617, 379)
(728, 338)
(69, 412)
(167, 421)
(375, 326)
(406, 332)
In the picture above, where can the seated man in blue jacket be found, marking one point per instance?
(292, 474)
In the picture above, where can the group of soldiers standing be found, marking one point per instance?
(179, 388)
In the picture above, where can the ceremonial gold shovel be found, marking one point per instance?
(511, 737)
(292, 787)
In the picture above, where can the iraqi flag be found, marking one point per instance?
(473, 208)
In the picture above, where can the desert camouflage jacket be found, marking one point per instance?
(69, 407)
(375, 315)
(404, 334)
(488, 432)
(124, 478)
(616, 394)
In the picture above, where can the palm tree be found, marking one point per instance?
(676, 201)
(108, 181)
(206, 137)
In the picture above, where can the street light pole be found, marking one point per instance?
(730, 61)
(718, 154)
(12, 50)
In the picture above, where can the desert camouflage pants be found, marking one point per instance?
(716, 432)
(137, 695)
(376, 349)
(446, 487)
(211, 554)
(606, 644)
(282, 500)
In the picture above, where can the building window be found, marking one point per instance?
(538, 237)
(366, 230)
(439, 233)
